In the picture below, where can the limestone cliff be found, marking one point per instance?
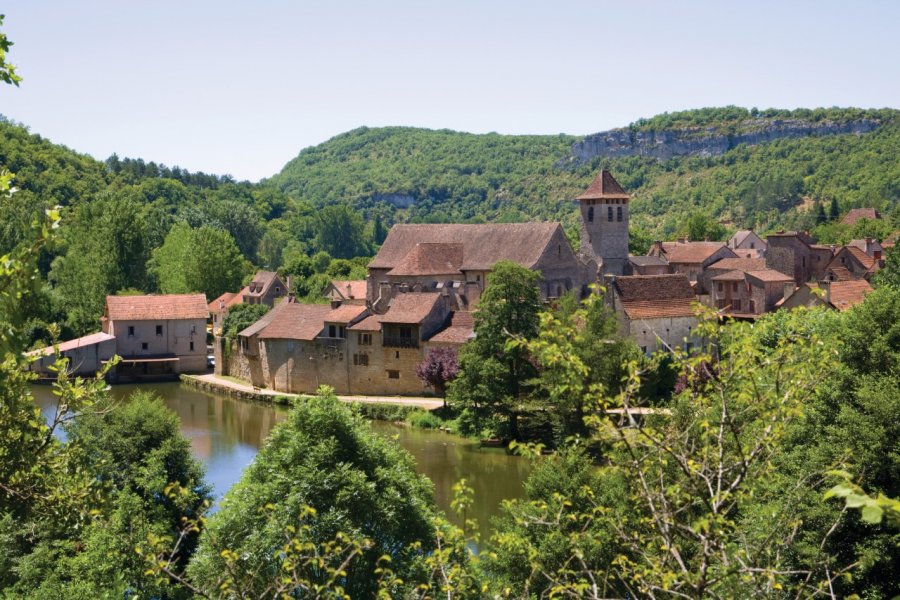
(704, 141)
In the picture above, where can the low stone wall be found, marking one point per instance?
(223, 390)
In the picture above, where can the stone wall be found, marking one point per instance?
(655, 334)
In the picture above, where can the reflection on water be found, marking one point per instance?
(226, 434)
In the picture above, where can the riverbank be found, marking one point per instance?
(235, 389)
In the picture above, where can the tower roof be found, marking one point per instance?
(604, 187)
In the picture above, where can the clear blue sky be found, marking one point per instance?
(240, 87)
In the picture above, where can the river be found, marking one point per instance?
(226, 433)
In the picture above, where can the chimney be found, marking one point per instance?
(349, 294)
(788, 289)
(825, 286)
(290, 283)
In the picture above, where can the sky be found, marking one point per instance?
(232, 87)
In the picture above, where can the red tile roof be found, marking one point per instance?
(841, 273)
(739, 264)
(87, 340)
(156, 308)
(769, 275)
(228, 299)
(427, 258)
(483, 245)
(370, 323)
(460, 330)
(604, 187)
(411, 308)
(692, 252)
(294, 321)
(735, 275)
(847, 294)
(261, 283)
(357, 289)
(860, 213)
(655, 296)
(346, 313)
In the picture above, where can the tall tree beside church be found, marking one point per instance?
(492, 374)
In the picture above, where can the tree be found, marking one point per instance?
(323, 472)
(438, 369)
(493, 375)
(7, 71)
(821, 217)
(834, 211)
(203, 260)
(379, 232)
(241, 316)
(700, 227)
(340, 232)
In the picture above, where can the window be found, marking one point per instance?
(736, 304)
(361, 360)
(159, 330)
(618, 213)
(131, 331)
(277, 290)
(734, 286)
(752, 306)
(644, 349)
(393, 374)
(406, 333)
(290, 345)
(591, 214)
(397, 354)
(753, 245)
(609, 213)
(342, 332)
(332, 331)
(719, 286)
(192, 346)
(364, 339)
(688, 347)
(143, 345)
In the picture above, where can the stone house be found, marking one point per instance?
(649, 265)
(747, 240)
(852, 262)
(795, 254)
(346, 292)
(265, 288)
(691, 258)
(748, 294)
(870, 246)
(157, 335)
(657, 311)
(455, 260)
(85, 355)
(218, 308)
(837, 295)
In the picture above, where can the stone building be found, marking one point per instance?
(747, 241)
(265, 288)
(691, 258)
(657, 311)
(852, 262)
(795, 254)
(455, 260)
(749, 294)
(837, 295)
(85, 355)
(649, 265)
(604, 225)
(157, 336)
(346, 292)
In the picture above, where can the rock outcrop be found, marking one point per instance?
(704, 141)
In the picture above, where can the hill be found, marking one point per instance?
(746, 168)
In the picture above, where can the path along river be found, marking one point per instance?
(226, 434)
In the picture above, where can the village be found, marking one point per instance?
(423, 288)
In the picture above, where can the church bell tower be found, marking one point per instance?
(604, 224)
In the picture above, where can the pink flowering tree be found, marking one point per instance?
(438, 369)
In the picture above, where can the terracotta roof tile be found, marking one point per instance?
(856, 214)
(658, 309)
(222, 302)
(411, 308)
(87, 340)
(735, 275)
(841, 273)
(604, 186)
(427, 258)
(769, 275)
(739, 264)
(346, 313)
(357, 288)
(460, 330)
(846, 294)
(261, 283)
(860, 255)
(483, 245)
(648, 261)
(653, 287)
(370, 323)
(295, 321)
(157, 307)
(691, 252)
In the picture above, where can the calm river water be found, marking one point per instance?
(226, 434)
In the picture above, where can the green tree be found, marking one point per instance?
(204, 260)
(241, 316)
(700, 226)
(322, 473)
(493, 375)
(7, 71)
(834, 210)
(340, 232)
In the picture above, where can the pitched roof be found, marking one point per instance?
(648, 261)
(739, 236)
(346, 313)
(157, 307)
(460, 330)
(429, 258)
(295, 321)
(739, 264)
(846, 294)
(483, 245)
(221, 303)
(604, 187)
(655, 296)
(735, 275)
(261, 283)
(357, 288)
(87, 340)
(856, 214)
(411, 308)
(860, 255)
(769, 276)
(691, 252)
(841, 273)
(370, 323)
